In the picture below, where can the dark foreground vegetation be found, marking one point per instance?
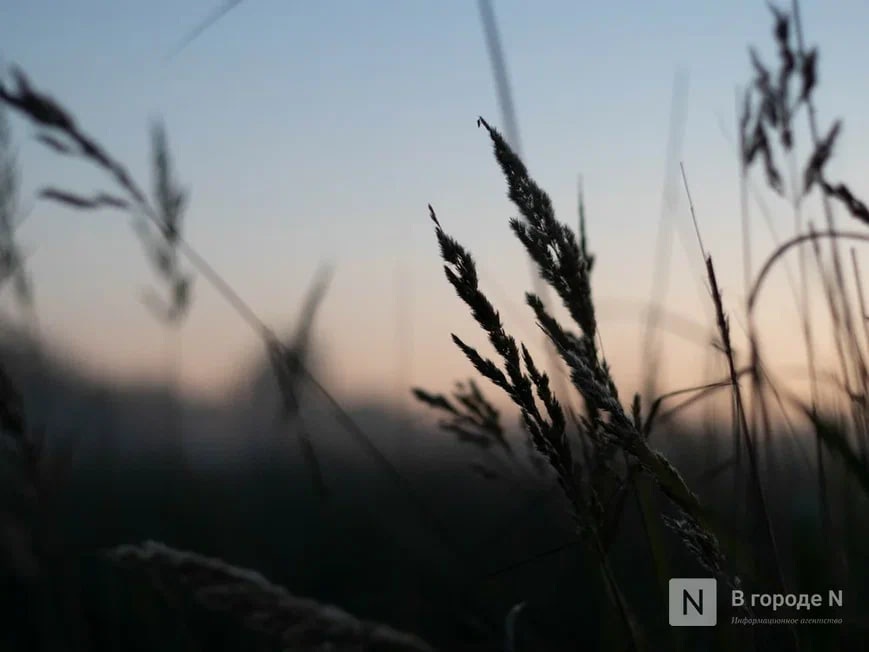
(135, 521)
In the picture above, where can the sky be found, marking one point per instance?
(312, 133)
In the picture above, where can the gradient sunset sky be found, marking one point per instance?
(318, 132)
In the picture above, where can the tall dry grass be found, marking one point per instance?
(605, 461)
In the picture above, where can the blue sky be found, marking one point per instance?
(312, 132)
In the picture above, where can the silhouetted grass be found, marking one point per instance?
(571, 544)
